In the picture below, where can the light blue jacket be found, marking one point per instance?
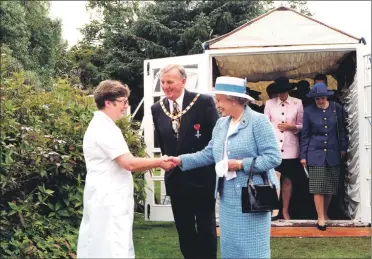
(254, 137)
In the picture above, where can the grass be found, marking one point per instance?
(160, 240)
(157, 186)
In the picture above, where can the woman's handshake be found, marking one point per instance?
(169, 163)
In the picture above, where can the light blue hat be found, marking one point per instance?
(232, 86)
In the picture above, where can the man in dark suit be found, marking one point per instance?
(184, 122)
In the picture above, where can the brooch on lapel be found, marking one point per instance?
(197, 128)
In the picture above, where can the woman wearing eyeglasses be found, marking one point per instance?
(323, 144)
(106, 227)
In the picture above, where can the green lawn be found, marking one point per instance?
(157, 186)
(160, 240)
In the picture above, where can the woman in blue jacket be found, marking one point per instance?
(323, 143)
(240, 136)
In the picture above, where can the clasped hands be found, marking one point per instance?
(286, 127)
(172, 161)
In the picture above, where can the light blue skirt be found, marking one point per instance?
(242, 235)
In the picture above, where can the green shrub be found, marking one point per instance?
(42, 166)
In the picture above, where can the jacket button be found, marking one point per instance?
(324, 110)
(281, 140)
(282, 131)
(282, 150)
(326, 127)
(325, 150)
(282, 113)
(325, 119)
(282, 105)
(325, 142)
(326, 134)
(282, 121)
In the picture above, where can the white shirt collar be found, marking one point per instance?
(179, 101)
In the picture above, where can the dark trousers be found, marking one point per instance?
(196, 225)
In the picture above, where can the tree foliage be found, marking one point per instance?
(81, 66)
(32, 35)
(300, 6)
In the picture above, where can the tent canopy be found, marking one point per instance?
(281, 27)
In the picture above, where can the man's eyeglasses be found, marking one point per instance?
(124, 102)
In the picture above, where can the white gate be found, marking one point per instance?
(157, 207)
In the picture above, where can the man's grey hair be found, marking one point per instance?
(240, 100)
(179, 68)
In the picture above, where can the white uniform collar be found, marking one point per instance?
(104, 116)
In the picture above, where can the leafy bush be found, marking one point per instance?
(42, 165)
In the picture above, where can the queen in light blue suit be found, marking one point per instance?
(238, 137)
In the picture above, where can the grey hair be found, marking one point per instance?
(240, 100)
(179, 68)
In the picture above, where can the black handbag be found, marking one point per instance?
(258, 198)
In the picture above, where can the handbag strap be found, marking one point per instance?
(250, 174)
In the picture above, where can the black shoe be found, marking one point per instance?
(321, 228)
(275, 218)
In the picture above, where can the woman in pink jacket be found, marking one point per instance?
(285, 114)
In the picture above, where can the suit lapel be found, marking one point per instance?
(166, 104)
(169, 120)
(186, 118)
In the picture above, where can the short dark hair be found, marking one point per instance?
(303, 85)
(109, 90)
(321, 77)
